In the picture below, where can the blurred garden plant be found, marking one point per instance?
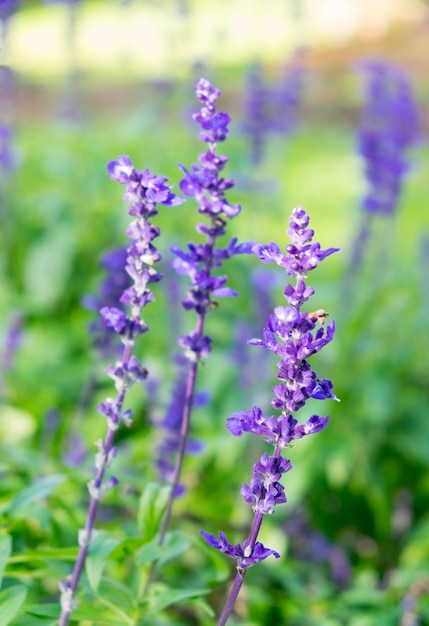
(390, 127)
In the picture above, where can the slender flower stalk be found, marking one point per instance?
(205, 183)
(292, 335)
(143, 191)
(171, 423)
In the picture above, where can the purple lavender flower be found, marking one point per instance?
(243, 556)
(204, 181)
(390, 127)
(292, 335)
(143, 191)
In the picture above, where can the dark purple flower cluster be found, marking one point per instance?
(292, 335)
(390, 126)
(205, 183)
(244, 557)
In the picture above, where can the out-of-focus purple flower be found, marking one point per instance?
(390, 126)
(308, 544)
(110, 290)
(7, 160)
(292, 335)
(252, 368)
(272, 108)
(12, 342)
(8, 8)
(171, 423)
(258, 117)
(288, 94)
(76, 452)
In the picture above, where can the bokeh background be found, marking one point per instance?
(83, 82)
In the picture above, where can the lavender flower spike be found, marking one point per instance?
(389, 128)
(204, 182)
(292, 335)
(143, 191)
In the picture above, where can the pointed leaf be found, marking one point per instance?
(162, 599)
(11, 600)
(100, 548)
(40, 489)
(152, 505)
(175, 544)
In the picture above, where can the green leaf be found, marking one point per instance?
(44, 610)
(5, 551)
(121, 596)
(159, 600)
(51, 554)
(11, 600)
(40, 489)
(175, 544)
(32, 620)
(99, 550)
(127, 547)
(152, 505)
(48, 266)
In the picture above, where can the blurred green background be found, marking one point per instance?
(81, 86)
